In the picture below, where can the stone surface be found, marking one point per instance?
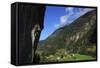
(28, 16)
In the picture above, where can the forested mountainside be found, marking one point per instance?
(76, 41)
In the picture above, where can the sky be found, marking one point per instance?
(56, 17)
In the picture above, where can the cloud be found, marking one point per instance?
(69, 12)
(72, 13)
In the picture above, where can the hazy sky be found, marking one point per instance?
(56, 17)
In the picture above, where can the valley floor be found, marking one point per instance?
(72, 57)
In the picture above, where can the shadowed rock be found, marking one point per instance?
(28, 16)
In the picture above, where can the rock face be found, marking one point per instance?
(28, 16)
(77, 37)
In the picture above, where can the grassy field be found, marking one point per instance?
(76, 57)
(72, 57)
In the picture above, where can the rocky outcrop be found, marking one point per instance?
(28, 16)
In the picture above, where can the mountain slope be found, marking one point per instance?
(77, 37)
